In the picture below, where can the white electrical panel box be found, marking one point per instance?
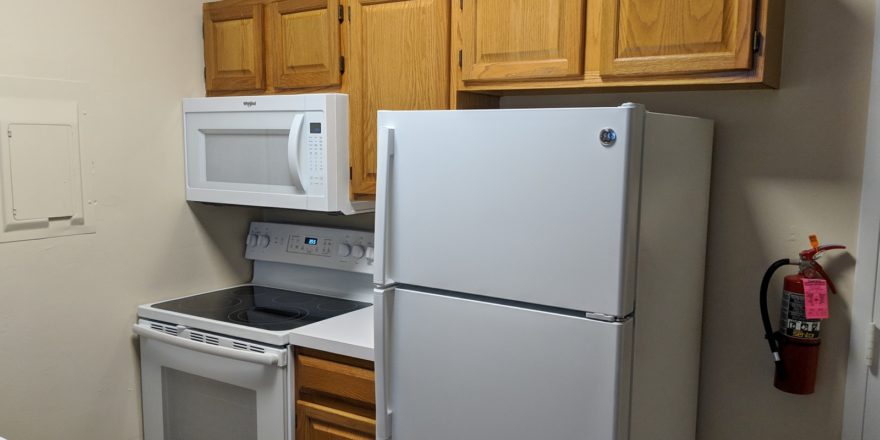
(42, 183)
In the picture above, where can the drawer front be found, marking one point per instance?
(351, 379)
(317, 422)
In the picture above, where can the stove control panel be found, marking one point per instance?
(342, 249)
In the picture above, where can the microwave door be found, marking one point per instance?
(293, 152)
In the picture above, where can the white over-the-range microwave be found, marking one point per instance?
(283, 151)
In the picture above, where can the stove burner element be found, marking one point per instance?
(262, 307)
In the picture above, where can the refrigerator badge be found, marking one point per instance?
(607, 137)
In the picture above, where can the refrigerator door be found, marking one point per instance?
(505, 203)
(456, 368)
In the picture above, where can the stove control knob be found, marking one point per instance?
(251, 240)
(264, 241)
(369, 255)
(357, 252)
(343, 250)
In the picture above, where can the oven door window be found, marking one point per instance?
(198, 408)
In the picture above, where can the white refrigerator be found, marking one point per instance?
(539, 273)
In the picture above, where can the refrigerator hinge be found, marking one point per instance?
(871, 351)
(606, 318)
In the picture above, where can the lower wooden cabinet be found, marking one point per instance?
(335, 396)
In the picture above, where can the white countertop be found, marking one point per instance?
(350, 334)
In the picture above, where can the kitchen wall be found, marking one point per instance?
(68, 362)
(787, 163)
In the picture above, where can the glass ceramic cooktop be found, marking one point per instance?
(262, 307)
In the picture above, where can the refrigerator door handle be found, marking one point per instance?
(386, 157)
(384, 298)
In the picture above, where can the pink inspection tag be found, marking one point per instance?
(816, 298)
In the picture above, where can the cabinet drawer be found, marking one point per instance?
(335, 375)
(318, 422)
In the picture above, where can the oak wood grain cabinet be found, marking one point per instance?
(399, 61)
(233, 47)
(647, 37)
(522, 39)
(334, 395)
(624, 44)
(303, 43)
(263, 46)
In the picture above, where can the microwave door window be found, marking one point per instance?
(247, 156)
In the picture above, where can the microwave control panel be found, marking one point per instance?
(342, 249)
(315, 155)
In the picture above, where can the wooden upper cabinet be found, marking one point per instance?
(654, 37)
(233, 47)
(522, 39)
(303, 43)
(399, 61)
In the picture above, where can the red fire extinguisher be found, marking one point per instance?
(795, 346)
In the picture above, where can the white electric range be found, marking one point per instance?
(216, 365)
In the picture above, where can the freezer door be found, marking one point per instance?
(507, 202)
(461, 369)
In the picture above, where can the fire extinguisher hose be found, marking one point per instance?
(769, 334)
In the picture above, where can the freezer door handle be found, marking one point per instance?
(386, 157)
(381, 304)
(232, 353)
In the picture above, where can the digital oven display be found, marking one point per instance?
(311, 241)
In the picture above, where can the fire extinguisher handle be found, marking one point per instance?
(771, 336)
(824, 275)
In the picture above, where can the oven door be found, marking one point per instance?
(194, 390)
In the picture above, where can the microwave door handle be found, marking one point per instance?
(293, 151)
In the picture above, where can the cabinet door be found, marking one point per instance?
(233, 47)
(400, 61)
(522, 39)
(303, 44)
(318, 422)
(650, 37)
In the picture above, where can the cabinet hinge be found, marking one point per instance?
(205, 73)
(871, 349)
(461, 4)
(350, 174)
(757, 39)
(459, 58)
(342, 64)
(341, 13)
(349, 14)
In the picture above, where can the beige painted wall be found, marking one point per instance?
(68, 365)
(787, 163)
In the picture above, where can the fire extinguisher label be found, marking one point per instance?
(794, 317)
(816, 296)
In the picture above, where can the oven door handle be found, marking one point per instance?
(247, 356)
